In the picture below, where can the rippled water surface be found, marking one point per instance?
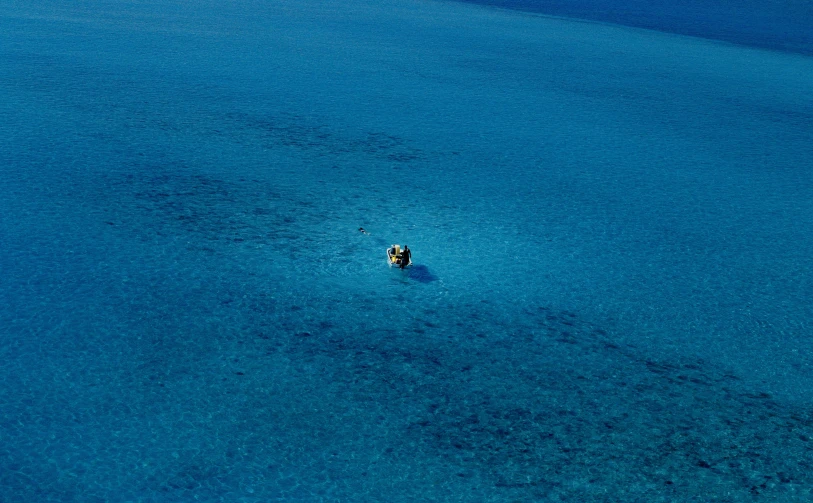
(611, 229)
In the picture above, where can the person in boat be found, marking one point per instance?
(406, 256)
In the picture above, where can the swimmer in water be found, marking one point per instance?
(361, 230)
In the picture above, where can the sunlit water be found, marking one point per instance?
(611, 228)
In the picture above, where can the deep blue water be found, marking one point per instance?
(611, 229)
(786, 25)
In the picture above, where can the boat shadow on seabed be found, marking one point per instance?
(421, 274)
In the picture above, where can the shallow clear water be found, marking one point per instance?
(611, 229)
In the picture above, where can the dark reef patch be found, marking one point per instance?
(554, 399)
(206, 209)
(290, 130)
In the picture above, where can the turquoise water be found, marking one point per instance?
(611, 229)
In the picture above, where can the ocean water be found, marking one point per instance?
(785, 25)
(612, 230)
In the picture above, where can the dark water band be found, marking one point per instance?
(784, 25)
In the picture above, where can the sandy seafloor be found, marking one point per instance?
(612, 230)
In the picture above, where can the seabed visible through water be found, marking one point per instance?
(610, 229)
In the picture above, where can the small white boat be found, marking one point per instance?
(394, 254)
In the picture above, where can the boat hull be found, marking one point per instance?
(394, 256)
